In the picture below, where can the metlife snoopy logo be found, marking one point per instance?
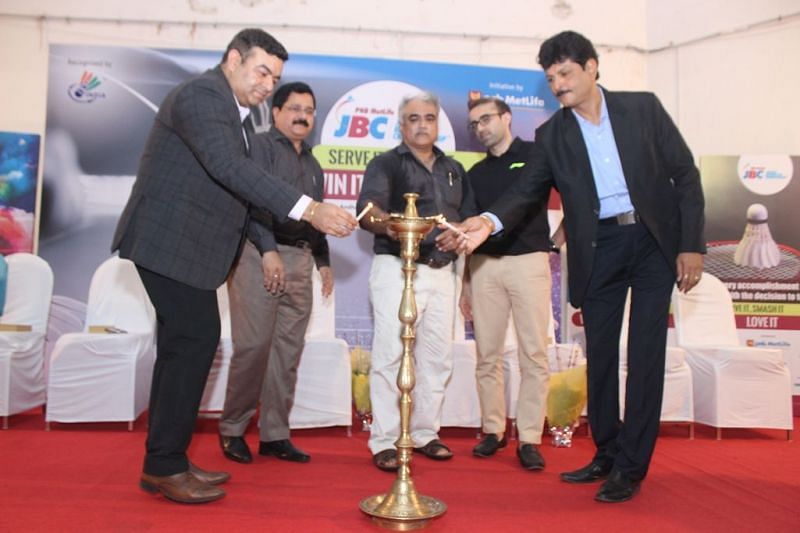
(366, 116)
(765, 174)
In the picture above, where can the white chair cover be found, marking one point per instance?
(105, 377)
(323, 395)
(28, 293)
(322, 323)
(677, 403)
(734, 385)
(461, 407)
(67, 315)
(214, 394)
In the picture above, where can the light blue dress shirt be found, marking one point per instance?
(606, 166)
(612, 190)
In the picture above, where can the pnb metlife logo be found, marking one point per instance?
(765, 174)
(84, 91)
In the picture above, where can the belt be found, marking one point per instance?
(623, 219)
(300, 243)
(433, 262)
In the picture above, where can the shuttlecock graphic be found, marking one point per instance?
(757, 248)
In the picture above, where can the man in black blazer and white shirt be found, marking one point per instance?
(633, 215)
(183, 227)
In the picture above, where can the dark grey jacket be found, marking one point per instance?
(187, 213)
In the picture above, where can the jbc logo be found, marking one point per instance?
(359, 126)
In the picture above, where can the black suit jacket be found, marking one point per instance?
(187, 213)
(663, 182)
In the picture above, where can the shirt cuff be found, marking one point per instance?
(300, 207)
(498, 226)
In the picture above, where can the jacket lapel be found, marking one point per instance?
(233, 110)
(625, 134)
(574, 140)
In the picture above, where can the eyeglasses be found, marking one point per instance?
(298, 109)
(483, 120)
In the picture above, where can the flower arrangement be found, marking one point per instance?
(360, 364)
(566, 398)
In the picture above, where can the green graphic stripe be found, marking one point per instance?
(767, 309)
(356, 157)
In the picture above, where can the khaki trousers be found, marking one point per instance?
(518, 285)
(268, 333)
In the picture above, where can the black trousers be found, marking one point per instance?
(187, 337)
(626, 257)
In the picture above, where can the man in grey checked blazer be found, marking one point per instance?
(183, 227)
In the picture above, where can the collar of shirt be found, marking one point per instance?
(280, 137)
(244, 112)
(402, 149)
(603, 112)
(513, 148)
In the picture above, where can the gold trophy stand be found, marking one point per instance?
(402, 508)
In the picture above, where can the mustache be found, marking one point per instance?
(302, 121)
(562, 93)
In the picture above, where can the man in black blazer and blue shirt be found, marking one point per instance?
(183, 227)
(633, 210)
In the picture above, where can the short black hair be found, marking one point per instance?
(567, 45)
(252, 37)
(280, 96)
(499, 104)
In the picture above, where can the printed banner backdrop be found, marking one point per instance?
(101, 104)
(753, 243)
(19, 176)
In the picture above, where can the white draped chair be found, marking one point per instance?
(461, 407)
(213, 399)
(678, 399)
(29, 289)
(103, 373)
(735, 386)
(323, 395)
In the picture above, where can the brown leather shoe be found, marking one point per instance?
(182, 488)
(207, 476)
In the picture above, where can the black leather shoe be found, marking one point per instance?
(489, 445)
(235, 449)
(530, 458)
(594, 471)
(283, 449)
(617, 488)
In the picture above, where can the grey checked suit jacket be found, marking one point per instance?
(663, 182)
(187, 213)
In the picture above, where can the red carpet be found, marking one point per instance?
(83, 477)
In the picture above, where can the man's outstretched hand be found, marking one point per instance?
(330, 219)
(471, 233)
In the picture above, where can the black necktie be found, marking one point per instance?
(247, 124)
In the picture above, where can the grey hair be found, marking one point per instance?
(424, 96)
